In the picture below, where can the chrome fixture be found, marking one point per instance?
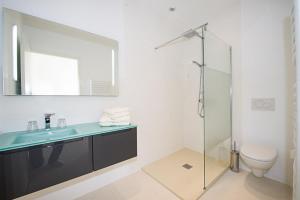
(201, 90)
(188, 34)
(191, 33)
(48, 121)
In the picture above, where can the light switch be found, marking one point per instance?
(263, 104)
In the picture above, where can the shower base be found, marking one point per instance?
(183, 173)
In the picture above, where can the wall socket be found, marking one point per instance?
(263, 104)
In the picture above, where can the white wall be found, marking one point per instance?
(149, 81)
(296, 189)
(265, 63)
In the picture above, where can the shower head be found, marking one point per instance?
(190, 33)
(198, 64)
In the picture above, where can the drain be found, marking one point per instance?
(187, 166)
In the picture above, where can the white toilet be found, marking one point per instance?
(258, 158)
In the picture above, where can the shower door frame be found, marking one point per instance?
(203, 31)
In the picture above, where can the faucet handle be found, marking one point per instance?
(47, 115)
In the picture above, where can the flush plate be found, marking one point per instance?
(263, 104)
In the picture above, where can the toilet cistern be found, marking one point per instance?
(48, 120)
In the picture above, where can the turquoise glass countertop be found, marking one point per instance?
(21, 139)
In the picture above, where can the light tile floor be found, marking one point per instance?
(245, 186)
(187, 184)
(138, 186)
(231, 186)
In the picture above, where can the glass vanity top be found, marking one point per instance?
(21, 139)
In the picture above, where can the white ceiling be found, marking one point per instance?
(189, 13)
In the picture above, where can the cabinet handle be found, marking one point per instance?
(72, 140)
(116, 132)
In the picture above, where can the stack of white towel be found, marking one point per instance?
(115, 117)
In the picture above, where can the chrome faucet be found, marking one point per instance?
(48, 121)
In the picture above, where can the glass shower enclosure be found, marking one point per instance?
(217, 107)
(205, 154)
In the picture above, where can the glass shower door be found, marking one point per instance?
(217, 107)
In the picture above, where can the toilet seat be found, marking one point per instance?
(259, 153)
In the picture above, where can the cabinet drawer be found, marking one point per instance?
(109, 149)
(36, 168)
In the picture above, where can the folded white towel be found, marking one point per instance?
(114, 123)
(117, 110)
(105, 118)
(117, 115)
(106, 123)
(121, 119)
(121, 123)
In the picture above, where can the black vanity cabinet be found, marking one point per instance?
(30, 169)
(111, 148)
(26, 170)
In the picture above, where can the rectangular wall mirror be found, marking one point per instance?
(41, 57)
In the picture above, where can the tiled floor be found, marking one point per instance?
(245, 186)
(138, 186)
(185, 183)
(231, 186)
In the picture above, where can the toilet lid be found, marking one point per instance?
(260, 153)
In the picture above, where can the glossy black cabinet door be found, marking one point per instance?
(109, 149)
(34, 168)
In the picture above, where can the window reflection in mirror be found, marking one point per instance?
(50, 75)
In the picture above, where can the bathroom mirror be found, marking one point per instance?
(41, 57)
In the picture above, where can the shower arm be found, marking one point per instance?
(182, 35)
